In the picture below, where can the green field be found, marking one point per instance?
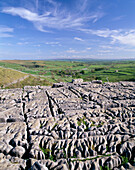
(49, 72)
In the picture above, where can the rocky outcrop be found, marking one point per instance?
(78, 125)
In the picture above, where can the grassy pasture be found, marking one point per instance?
(48, 72)
(8, 76)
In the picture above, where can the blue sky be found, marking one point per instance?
(51, 29)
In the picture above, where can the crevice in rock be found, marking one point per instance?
(73, 91)
(26, 155)
(50, 104)
(59, 110)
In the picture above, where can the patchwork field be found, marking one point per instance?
(49, 72)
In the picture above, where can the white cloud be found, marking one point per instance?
(105, 33)
(89, 48)
(6, 44)
(72, 51)
(53, 43)
(24, 13)
(22, 43)
(106, 47)
(55, 18)
(82, 5)
(6, 31)
(78, 39)
(105, 51)
(97, 16)
(120, 36)
(127, 38)
(118, 18)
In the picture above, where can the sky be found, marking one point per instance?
(67, 29)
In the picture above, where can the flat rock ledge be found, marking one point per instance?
(78, 125)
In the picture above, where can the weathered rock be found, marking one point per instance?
(75, 81)
(78, 125)
(38, 166)
(18, 151)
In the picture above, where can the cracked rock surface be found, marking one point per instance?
(78, 125)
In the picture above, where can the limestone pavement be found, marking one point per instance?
(78, 125)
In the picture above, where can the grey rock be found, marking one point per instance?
(38, 166)
(18, 151)
(78, 125)
(75, 81)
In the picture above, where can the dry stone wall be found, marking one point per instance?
(78, 125)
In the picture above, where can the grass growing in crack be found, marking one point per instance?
(46, 153)
(107, 148)
(54, 126)
(86, 129)
(92, 124)
(104, 168)
(120, 143)
(100, 156)
(42, 125)
(79, 123)
(81, 98)
(100, 125)
(101, 168)
(74, 156)
(93, 147)
(52, 158)
(124, 160)
(82, 120)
